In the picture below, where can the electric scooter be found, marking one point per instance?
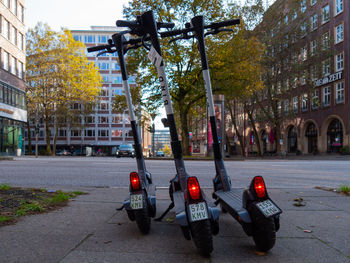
(252, 208)
(140, 204)
(196, 217)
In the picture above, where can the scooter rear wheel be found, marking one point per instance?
(202, 236)
(264, 231)
(143, 220)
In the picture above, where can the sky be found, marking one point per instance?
(74, 14)
(78, 15)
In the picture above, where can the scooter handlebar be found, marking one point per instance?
(175, 32)
(98, 48)
(129, 24)
(217, 25)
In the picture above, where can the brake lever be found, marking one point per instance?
(217, 31)
(184, 36)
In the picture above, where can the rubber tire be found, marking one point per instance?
(264, 231)
(143, 220)
(202, 236)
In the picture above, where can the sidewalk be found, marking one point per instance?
(89, 229)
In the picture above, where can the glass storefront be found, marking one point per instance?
(11, 136)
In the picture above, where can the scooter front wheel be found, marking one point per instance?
(143, 220)
(264, 230)
(202, 236)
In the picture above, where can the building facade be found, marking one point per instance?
(314, 106)
(13, 114)
(104, 129)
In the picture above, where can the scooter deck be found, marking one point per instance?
(232, 202)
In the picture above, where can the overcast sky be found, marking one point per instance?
(74, 14)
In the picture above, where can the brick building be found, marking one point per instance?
(319, 98)
(13, 114)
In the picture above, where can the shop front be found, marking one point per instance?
(11, 137)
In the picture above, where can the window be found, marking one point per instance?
(313, 47)
(303, 6)
(117, 80)
(102, 39)
(314, 22)
(279, 87)
(89, 39)
(7, 3)
(304, 53)
(315, 100)
(116, 66)
(295, 104)
(325, 14)
(339, 62)
(104, 106)
(105, 78)
(77, 38)
(339, 91)
(326, 96)
(75, 133)
(132, 80)
(6, 29)
(14, 7)
(294, 38)
(314, 72)
(103, 133)
(14, 35)
(304, 100)
(339, 6)
(339, 33)
(21, 13)
(303, 78)
(286, 106)
(89, 119)
(325, 41)
(20, 70)
(117, 92)
(295, 15)
(303, 29)
(286, 19)
(103, 66)
(6, 61)
(62, 133)
(89, 133)
(20, 41)
(326, 67)
(279, 107)
(104, 93)
(287, 84)
(103, 120)
(313, 2)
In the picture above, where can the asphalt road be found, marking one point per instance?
(69, 172)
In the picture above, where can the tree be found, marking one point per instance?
(181, 58)
(58, 76)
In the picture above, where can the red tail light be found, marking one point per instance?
(193, 188)
(259, 186)
(134, 181)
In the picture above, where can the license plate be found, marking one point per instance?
(136, 201)
(198, 211)
(268, 208)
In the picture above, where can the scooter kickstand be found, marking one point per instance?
(171, 206)
(120, 208)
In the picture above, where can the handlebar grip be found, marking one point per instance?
(165, 25)
(223, 24)
(124, 23)
(97, 48)
(174, 32)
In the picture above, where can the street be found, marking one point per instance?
(69, 172)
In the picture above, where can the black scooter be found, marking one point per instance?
(252, 208)
(195, 216)
(140, 205)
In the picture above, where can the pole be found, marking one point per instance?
(124, 127)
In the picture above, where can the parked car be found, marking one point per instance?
(63, 153)
(125, 150)
(160, 154)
